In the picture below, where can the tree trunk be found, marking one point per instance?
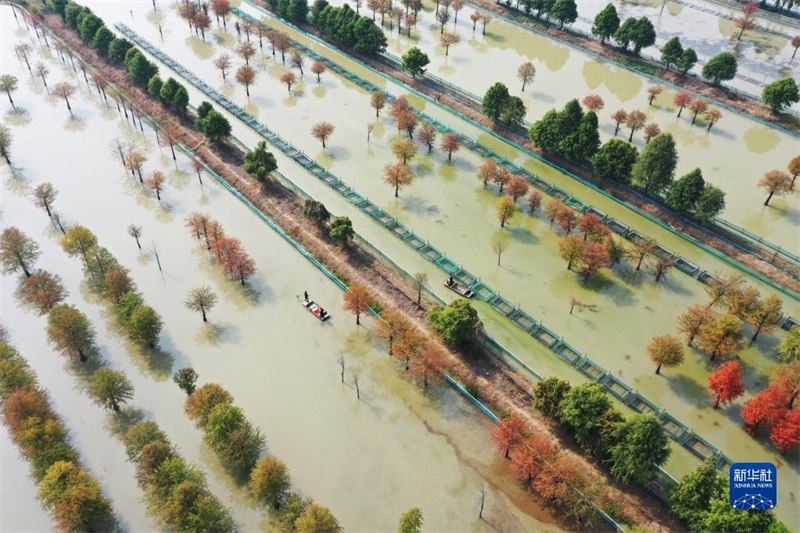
(680, 110)
(639, 264)
(82, 355)
(137, 243)
(630, 138)
(358, 319)
(115, 407)
(616, 130)
(716, 402)
(11, 100)
(202, 310)
(766, 202)
(658, 369)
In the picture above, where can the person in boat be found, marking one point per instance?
(305, 295)
(450, 280)
(321, 312)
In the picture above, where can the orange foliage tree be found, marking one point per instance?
(357, 300)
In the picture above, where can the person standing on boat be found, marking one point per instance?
(305, 295)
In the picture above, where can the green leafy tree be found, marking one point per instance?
(270, 481)
(614, 160)
(513, 112)
(180, 101)
(671, 52)
(144, 326)
(168, 91)
(643, 35)
(411, 521)
(606, 23)
(140, 70)
(199, 404)
(624, 34)
(260, 162)
(341, 231)
(640, 444)
(110, 388)
(789, 347)
(317, 519)
(370, 39)
(655, 167)
(710, 203)
(582, 410)
(291, 509)
(74, 498)
(70, 331)
(585, 141)
(202, 111)
(780, 94)
(687, 60)
(140, 435)
(298, 10)
(154, 85)
(684, 193)
(45, 443)
(72, 14)
(88, 26)
(722, 517)
(721, 67)
(546, 132)
(215, 126)
(415, 61)
(117, 50)
(691, 498)
(457, 323)
(564, 11)
(317, 212)
(494, 101)
(102, 40)
(186, 379)
(234, 439)
(548, 394)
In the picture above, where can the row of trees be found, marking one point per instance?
(632, 447)
(348, 28)
(228, 252)
(176, 492)
(66, 490)
(212, 123)
(239, 445)
(108, 278)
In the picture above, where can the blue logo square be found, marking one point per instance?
(753, 486)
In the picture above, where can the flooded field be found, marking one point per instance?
(397, 447)
(630, 308)
(733, 155)
(369, 461)
(763, 54)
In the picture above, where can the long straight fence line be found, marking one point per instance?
(474, 101)
(616, 387)
(532, 154)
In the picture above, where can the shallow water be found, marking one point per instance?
(18, 492)
(463, 226)
(368, 461)
(764, 54)
(733, 155)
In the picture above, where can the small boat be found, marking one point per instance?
(455, 286)
(316, 310)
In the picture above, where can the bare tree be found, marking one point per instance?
(420, 279)
(223, 63)
(499, 246)
(341, 366)
(443, 16)
(358, 391)
(135, 232)
(526, 73)
(65, 90)
(43, 197)
(42, 71)
(297, 60)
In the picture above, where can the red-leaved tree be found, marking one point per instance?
(726, 383)
(765, 409)
(510, 433)
(786, 433)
